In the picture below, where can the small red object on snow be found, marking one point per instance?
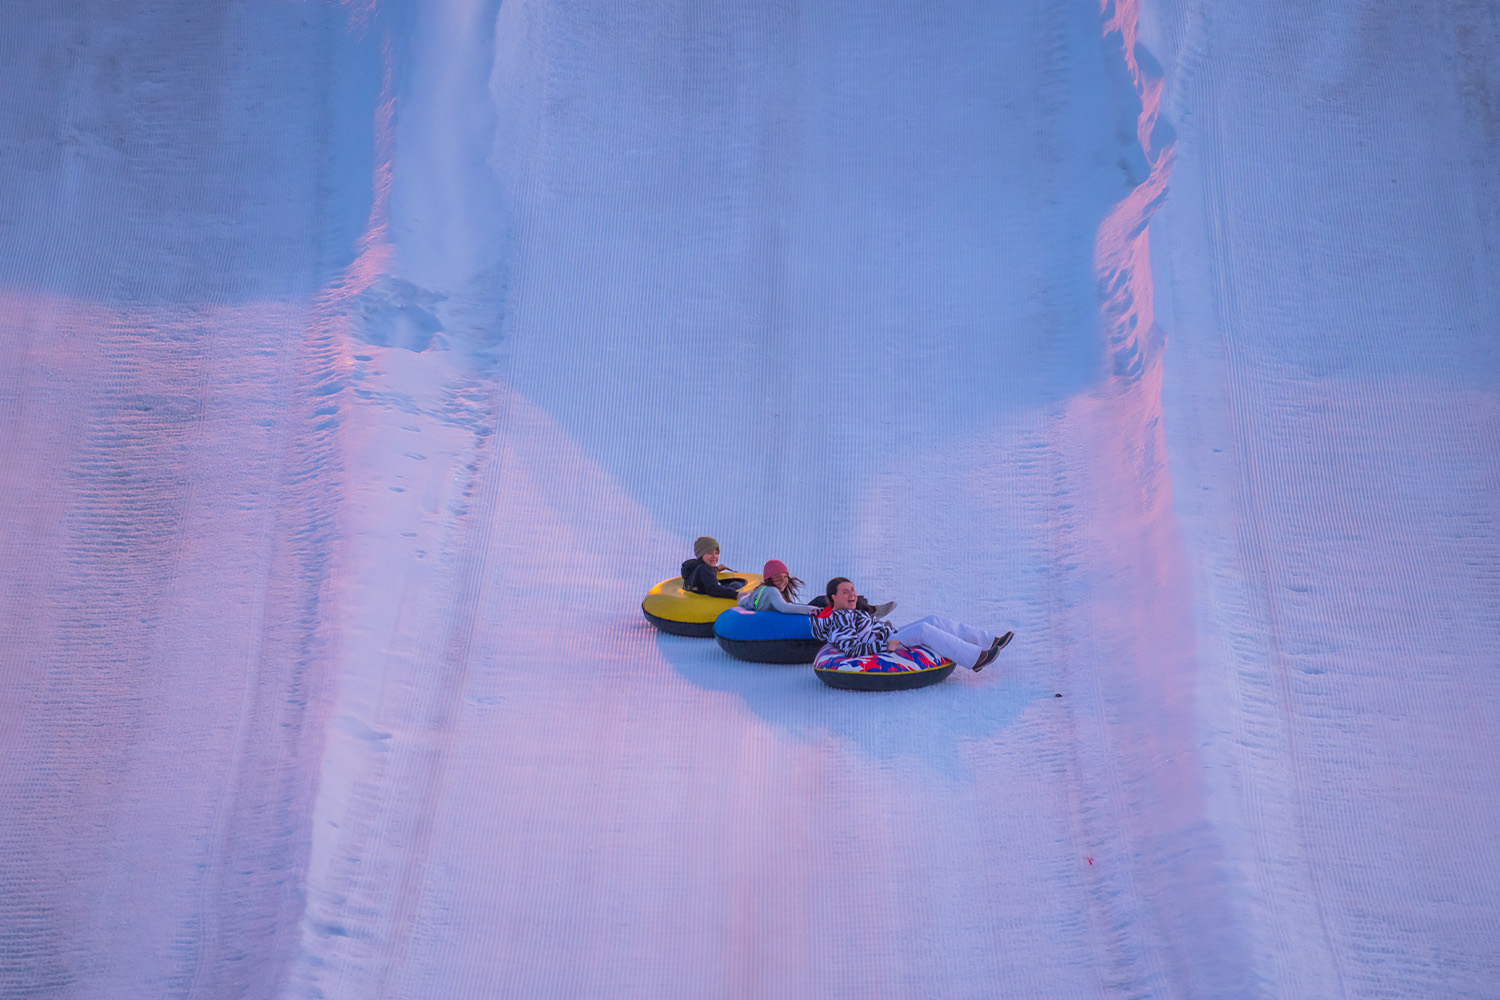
(1091, 860)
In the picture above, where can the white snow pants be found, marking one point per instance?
(946, 637)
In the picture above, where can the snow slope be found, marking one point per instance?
(1335, 377)
(365, 364)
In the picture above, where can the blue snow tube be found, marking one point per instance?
(912, 667)
(766, 636)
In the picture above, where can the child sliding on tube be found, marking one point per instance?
(700, 574)
(778, 593)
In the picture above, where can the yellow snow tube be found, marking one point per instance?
(681, 612)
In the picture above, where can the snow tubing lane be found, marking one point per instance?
(766, 636)
(681, 612)
(914, 667)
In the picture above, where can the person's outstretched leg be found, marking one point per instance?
(953, 626)
(930, 632)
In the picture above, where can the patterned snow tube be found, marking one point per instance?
(766, 636)
(913, 667)
(681, 612)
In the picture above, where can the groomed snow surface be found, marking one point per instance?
(364, 364)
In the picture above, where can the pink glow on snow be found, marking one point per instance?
(324, 672)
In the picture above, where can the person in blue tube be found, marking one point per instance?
(778, 593)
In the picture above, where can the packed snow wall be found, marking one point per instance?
(1324, 270)
(181, 186)
(366, 364)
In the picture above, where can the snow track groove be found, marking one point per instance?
(1299, 396)
(372, 885)
(1274, 800)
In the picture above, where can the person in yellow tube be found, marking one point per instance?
(700, 574)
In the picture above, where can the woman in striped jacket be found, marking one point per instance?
(859, 633)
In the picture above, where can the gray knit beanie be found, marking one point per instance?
(702, 545)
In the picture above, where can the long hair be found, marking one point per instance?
(790, 590)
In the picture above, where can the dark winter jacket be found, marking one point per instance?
(857, 633)
(701, 578)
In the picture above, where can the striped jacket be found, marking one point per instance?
(857, 633)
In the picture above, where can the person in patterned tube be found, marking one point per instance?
(860, 633)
